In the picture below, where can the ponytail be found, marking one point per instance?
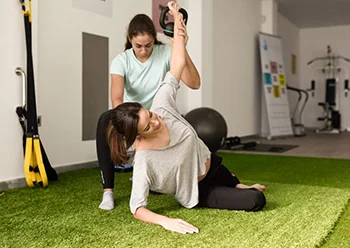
(117, 146)
(122, 130)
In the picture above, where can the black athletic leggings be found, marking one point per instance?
(217, 190)
(103, 153)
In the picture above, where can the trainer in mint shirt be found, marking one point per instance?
(142, 79)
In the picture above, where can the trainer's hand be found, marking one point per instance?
(178, 225)
(183, 31)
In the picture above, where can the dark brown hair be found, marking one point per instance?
(122, 130)
(139, 25)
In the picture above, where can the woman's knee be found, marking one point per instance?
(258, 200)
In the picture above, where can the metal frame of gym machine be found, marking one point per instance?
(331, 70)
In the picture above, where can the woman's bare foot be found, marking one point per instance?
(258, 187)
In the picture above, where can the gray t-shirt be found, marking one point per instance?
(173, 169)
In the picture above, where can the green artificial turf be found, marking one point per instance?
(299, 170)
(306, 199)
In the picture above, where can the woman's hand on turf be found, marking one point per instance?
(178, 225)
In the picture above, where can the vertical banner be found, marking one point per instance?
(274, 86)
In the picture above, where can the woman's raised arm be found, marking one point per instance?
(178, 53)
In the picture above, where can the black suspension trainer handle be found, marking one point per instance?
(168, 28)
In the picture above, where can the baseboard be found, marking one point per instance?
(21, 182)
(66, 168)
(13, 184)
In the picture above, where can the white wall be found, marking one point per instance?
(57, 53)
(59, 71)
(200, 48)
(269, 16)
(290, 45)
(12, 55)
(207, 54)
(195, 47)
(313, 43)
(235, 64)
(223, 45)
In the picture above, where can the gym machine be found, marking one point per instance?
(298, 127)
(331, 70)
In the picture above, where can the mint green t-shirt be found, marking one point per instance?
(142, 80)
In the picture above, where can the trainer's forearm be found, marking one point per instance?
(116, 102)
(190, 75)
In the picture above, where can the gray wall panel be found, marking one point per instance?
(95, 82)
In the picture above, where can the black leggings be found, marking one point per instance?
(217, 190)
(103, 153)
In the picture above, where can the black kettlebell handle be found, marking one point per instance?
(168, 28)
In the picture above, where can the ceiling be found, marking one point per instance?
(315, 13)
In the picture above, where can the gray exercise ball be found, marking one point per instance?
(210, 126)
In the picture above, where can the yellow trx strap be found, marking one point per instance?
(33, 164)
(34, 168)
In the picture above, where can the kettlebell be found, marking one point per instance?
(168, 28)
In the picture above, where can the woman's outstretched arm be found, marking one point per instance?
(175, 225)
